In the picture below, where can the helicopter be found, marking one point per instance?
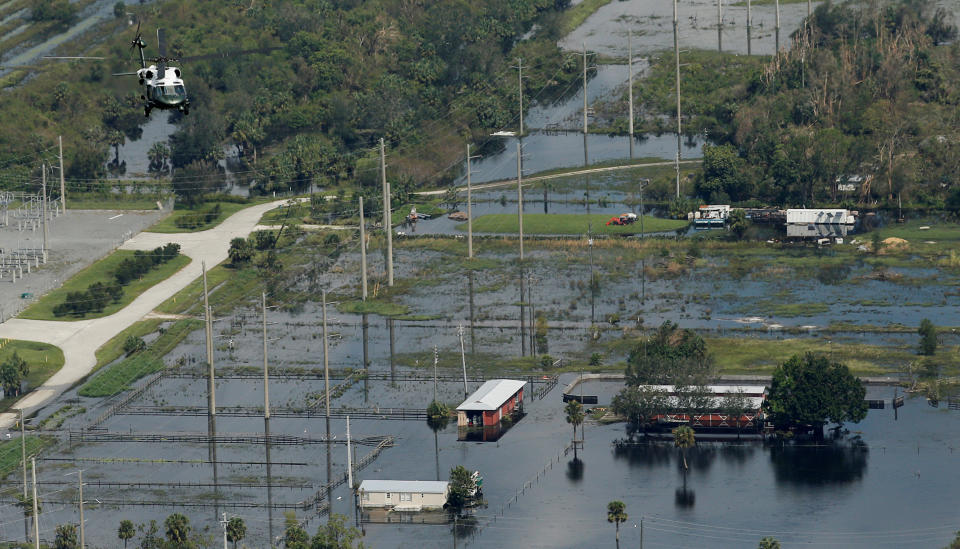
(163, 84)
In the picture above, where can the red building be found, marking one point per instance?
(489, 404)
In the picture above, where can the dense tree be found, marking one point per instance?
(684, 438)
(617, 513)
(462, 487)
(126, 531)
(738, 223)
(12, 372)
(928, 337)
(640, 404)
(236, 530)
(670, 355)
(809, 390)
(53, 10)
(241, 251)
(177, 528)
(335, 534)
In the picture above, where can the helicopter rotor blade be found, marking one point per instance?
(72, 57)
(162, 42)
(124, 74)
(226, 54)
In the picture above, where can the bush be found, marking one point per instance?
(134, 344)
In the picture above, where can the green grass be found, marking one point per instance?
(228, 287)
(569, 224)
(44, 360)
(113, 349)
(102, 271)
(168, 224)
(370, 306)
(10, 452)
(760, 356)
(120, 376)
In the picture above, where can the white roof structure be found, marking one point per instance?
(422, 486)
(491, 395)
(824, 216)
(719, 390)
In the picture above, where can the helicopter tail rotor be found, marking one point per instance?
(139, 43)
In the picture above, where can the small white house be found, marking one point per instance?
(404, 495)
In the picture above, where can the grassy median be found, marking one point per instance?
(569, 224)
(102, 271)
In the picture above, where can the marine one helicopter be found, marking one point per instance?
(163, 87)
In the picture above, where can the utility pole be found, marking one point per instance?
(749, 26)
(470, 200)
(63, 191)
(676, 55)
(777, 27)
(463, 360)
(809, 10)
(211, 387)
(436, 358)
(630, 84)
(266, 376)
(641, 532)
(36, 517)
(23, 453)
(720, 25)
(520, 82)
(386, 212)
(349, 459)
(584, 88)
(520, 196)
(363, 253)
(326, 358)
(43, 210)
(223, 522)
(80, 497)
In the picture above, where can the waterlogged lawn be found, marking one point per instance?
(11, 452)
(102, 271)
(120, 376)
(549, 224)
(761, 356)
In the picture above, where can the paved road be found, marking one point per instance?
(79, 340)
(534, 179)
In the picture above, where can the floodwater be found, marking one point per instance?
(606, 31)
(887, 472)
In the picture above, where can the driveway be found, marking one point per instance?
(79, 340)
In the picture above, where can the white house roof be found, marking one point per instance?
(422, 486)
(491, 395)
(719, 390)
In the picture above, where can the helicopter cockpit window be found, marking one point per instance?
(180, 91)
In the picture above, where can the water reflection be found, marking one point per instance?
(837, 463)
(575, 469)
(266, 443)
(366, 358)
(684, 497)
(473, 346)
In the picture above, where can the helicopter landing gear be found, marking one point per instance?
(146, 111)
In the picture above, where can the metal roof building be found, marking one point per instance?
(491, 395)
(404, 495)
(490, 403)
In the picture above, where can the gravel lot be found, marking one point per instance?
(75, 240)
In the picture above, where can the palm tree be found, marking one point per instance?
(66, 537)
(574, 412)
(683, 437)
(126, 531)
(178, 528)
(617, 513)
(236, 530)
(769, 543)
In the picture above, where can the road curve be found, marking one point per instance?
(79, 340)
(535, 178)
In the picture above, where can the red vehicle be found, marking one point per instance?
(623, 219)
